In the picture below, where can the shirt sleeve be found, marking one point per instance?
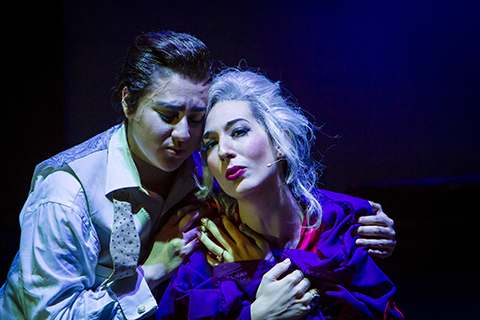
(59, 252)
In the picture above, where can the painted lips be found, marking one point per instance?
(234, 172)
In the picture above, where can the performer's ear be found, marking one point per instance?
(125, 97)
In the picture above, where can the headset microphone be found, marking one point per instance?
(271, 163)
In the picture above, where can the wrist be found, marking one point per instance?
(154, 274)
(258, 311)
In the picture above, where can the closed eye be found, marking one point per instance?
(197, 118)
(168, 118)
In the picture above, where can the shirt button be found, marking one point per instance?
(141, 308)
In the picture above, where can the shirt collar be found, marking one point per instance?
(122, 172)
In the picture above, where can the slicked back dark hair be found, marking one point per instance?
(158, 54)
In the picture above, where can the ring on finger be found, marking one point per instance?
(315, 298)
(220, 257)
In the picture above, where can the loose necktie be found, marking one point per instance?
(124, 241)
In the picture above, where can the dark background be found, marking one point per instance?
(398, 82)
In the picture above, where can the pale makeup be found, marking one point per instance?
(238, 150)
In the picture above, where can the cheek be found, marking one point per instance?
(154, 129)
(212, 164)
(258, 150)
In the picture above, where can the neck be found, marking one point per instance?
(276, 217)
(154, 179)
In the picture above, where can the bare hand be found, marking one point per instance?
(234, 245)
(287, 298)
(174, 243)
(377, 233)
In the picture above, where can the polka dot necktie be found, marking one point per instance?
(124, 241)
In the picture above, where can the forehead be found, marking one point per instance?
(225, 111)
(178, 91)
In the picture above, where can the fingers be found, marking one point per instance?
(190, 248)
(385, 220)
(295, 277)
(376, 232)
(376, 243)
(217, 233)
(376, 207)
(311, 298)
(188, 220)
(302, 286)
(380, 254)
(380, 218)
(377, 248)
(190, 235)
(209, 244)
(377, 220)
(381, 242)
(277, 270)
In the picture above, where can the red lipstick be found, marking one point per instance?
(234, 172)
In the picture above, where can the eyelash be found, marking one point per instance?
(239, 132)
(170, 119)
(166, 118)
(236, 133)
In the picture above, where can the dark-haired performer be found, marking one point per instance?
(71, 264)
(105, 222)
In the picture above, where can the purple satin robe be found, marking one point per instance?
(350, 284)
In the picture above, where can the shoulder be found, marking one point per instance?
(330, 196)
(92, 145)
(89, 156)
(57, 202)
(58, 187)
(337, 205)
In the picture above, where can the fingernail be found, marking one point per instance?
(286, 261)
(242, 227)
(204, 220)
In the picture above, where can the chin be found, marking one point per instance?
(168, 164)
(241, 192)
(169, 167)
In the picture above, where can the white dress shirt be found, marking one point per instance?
(64, 256)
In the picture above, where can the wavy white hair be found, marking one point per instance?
(287, 128)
